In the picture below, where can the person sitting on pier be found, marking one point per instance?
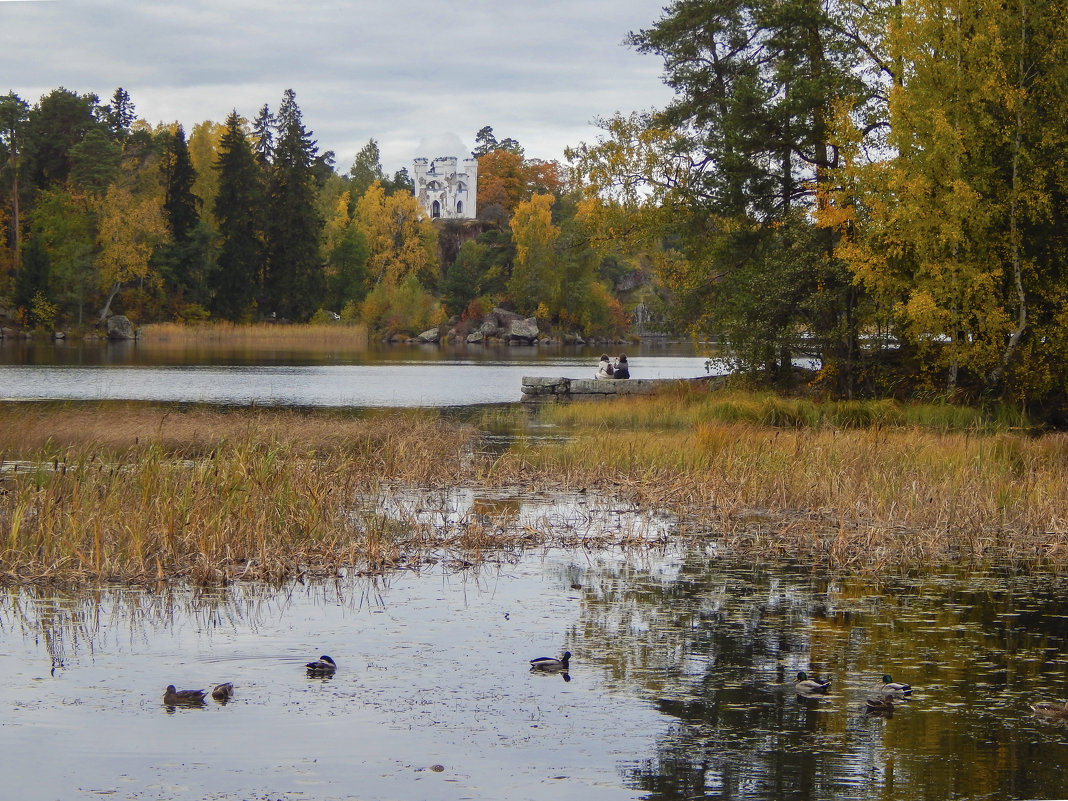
(604, 367)
(621, 369)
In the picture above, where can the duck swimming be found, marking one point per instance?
(223, 692)
(173, 697)
(323, 666)
(1044, 709)
(891, 687)
(880, 706)
(806, 685)
(551, 664)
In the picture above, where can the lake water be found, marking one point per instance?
(403, 375)
(680, 685)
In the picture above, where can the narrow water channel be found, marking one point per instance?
(681, 685)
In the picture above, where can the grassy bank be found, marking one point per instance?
(115, 491)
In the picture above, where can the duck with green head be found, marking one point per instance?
(891, 687)
(806, 685)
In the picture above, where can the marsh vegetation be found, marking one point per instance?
(142, 492)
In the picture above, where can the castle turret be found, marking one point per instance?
(445, 192)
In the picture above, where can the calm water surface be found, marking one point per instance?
(403, 375)
(680, 685)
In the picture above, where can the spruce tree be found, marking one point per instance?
(181, 259)
(294, 280)
(238, 205)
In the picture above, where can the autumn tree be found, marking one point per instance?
(401, 240)
(204, 143)
(132, 224)
(533, 281)
(345, 252)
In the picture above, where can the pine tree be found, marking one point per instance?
(238, 205)
(294, 279)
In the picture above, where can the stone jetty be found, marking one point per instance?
(537, 387)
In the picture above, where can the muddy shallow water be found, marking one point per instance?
(681, 685)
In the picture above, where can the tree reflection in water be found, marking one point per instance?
(716, 644)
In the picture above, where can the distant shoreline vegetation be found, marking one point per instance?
(912, 242)
(142, 493)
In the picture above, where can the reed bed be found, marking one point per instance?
(137, 494)
(855, 498)
(257, 336)
(142, 493)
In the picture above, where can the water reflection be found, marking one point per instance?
(681, 684)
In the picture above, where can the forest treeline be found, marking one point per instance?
(248, 220)
(879, 185)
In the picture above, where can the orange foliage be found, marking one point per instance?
(506, 179)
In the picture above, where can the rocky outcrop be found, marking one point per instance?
(120, 327)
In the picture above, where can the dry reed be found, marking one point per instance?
(139, 493)
(256, 336)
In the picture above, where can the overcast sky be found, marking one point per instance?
(419, 76)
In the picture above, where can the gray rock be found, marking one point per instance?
(120, 327)
(474, 337)
(526, 330)
(430, 336)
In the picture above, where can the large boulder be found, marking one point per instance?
(430, 336)
(523, 330)
(120, 327)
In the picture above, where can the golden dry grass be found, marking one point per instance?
(136, 492)
(256, 336)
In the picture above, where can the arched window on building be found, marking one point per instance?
(461, 186)
(435, 209)
(459, 207)
(434, 186)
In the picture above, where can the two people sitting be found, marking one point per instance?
(617, 369)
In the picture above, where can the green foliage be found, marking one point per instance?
(294, 279)
(400, 308)
(238, 210)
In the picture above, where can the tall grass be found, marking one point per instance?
(138, 494)
(256, 336)
(850, 484)
(685, 407)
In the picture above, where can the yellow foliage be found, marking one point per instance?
(401, 240)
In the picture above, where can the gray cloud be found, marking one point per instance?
(399, 71)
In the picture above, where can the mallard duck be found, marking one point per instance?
(223, 692)
(551, 664)
(880, 706)
(806, 685)
(891, 687)
(1045, 709)
(173, 697)
(323, 666)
